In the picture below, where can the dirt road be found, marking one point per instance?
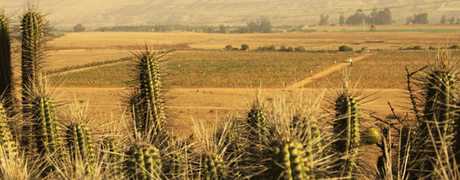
(339, 66)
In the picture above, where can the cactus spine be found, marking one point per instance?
(81, 144)
(148, 102)
(6, 69)
(144, 162)
(347, 128)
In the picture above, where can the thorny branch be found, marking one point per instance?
(411, 91)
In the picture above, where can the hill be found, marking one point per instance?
(97, 13)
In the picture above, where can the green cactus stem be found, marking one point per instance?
(213, 167)
(257, 120)
(6, 69)
(112, 149)
(288, 160)
(347, 128)
(32, 51)
(148, 101)
(6, 138)
(81, 144)
(46, 130)
(144, 162)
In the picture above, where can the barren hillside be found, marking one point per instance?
(97, 13)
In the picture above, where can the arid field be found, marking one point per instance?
(208, 83)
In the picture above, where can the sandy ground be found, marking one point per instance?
(215, 104)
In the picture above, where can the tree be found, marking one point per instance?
(265, 26)
(253, 27)
(419, 18)
(383, 17)
(228, 47)
(443, 20)
(356, 19)
(452, 20)
(324, 20)
(79, 28)
(244, 47)
(222, 29)
(341, 20)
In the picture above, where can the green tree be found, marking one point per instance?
(244, 47)
(342, 20)
(79, 28)
(228, 47)
(443, 20)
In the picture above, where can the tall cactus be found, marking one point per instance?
(346, 125)
(441, 120)
(6, 69)
(347, 128)
(32, 51)
(148, 99)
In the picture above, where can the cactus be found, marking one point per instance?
(347, 128)
(32, 54)
(288, 160)
(233, 137)
(144, 162)
(214, 167)
(112, 149)
(6, 138)
(257, 120)
(148, 100)
(441, 120)
(6, 69)
(81, 144)
(46, 130)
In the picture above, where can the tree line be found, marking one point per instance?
(382, 17)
